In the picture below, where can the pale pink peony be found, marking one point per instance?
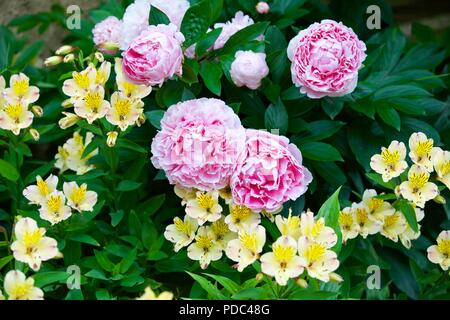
(325, 59)
(262, 7)
(248, 69)
(174, 9)
(270, 172)
(154, 56)
(199, 144)
(108, 31)
(229, 28)
(135, 20)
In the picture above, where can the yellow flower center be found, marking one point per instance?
(54, 203)
(374, 204)
(317, 228)
(20, 291)
(240, 213)
(314, 252)
(42, 186)
(205, 201)
(418, 180)
(128, 88)
(249, 241)
(123, 107)
(100, 78)
(20, 87)
(423, 148)
(345, 220)
(445, 168)
(390, 158)
(82, 80)
(444, 247)
(390, 221)
(78, 194)
(63, 153)
(31, 239)
(93, 101)
(204, 242)
(361, 216)
(14, 111)
(283, 254)
(220, 229)
(183, 227)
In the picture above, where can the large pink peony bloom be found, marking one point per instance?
(325, 59)
(248, 69)
(154, 56)
(108, 30)
(199, 144)
(270, 172)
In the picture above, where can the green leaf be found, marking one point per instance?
(408, 211)
(276, 117)
(91, 147)
(157, 17)
(332, 106)
(116, 217)
(152, 205)
(229, 285)
(251, 293)
(389, 116)
(103, 261)
(5, 260)
(400, 91)
(128, 185)
(330, 172)
(330, 212)
(131, 145)
(210, 288)
(84, 238)
(211, 73)
(207, 41)
(6, 48)
(96, 274)
(26, 56)
(318, 130)
(127, 262)
(42, 279)
(196, 21)
(155, 117)
(377, 179)
(242, 36)
(320, 151)
(7, 171)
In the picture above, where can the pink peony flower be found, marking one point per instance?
(154, 56)
(229, 28)
(108, 31)
(270, 172)
(325, 59)
(199, 144)
(174, 9)
(262, 7)
(135, 20)
(248, 69)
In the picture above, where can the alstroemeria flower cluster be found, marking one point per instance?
(15, 101)
(56, 206)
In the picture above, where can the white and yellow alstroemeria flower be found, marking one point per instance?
(78, 197)
(348, 224)
(225, 194)
(185, 194)
(181, 232)
(2, 91)
(124, 111)
(317, 259)
(19, 287)
(205, 207)
(367, 224)
(391, 162)
(393, 226)
(80, 84)
(20, 91)
(103, 73)
(221, 233)
(377, 207)
(93, 106)
(37, 194)
(241, 217)
(246, 248)
(150, 295)
(440, 253)
(31, 246)
(420, 150)
(54, 209)
(15, 117)
(283, 262)
(69, 156)
(418, 189)
(204, 249)
(131, 90)
(441, 163)
(289, 226)
(315, 230)
(409, 234)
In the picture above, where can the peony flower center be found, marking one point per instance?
(20, 87)
(183, 227)
(390, 158)
(283, 254)
(249, 241)
(444, 247)
(54, 203)
(314, 252)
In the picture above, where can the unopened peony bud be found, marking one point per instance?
(99, 56)
(37, 111)
(65, 50)
(262, 7)
(53, 61)
(111, 138)
(35, 134)
(69, 120)
(302, 283)
(69, 58)
(334, 277)
(259, 276)
(140, 120)
(439, 199)
(109, 47)
(67, 104)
